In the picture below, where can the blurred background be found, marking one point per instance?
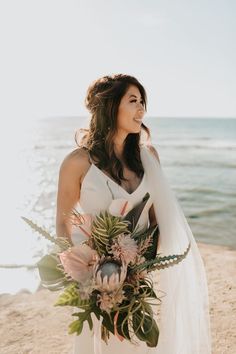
(183, 52)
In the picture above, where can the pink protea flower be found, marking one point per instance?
(109, 275)
(108, 300)
(78, 262)
(125, 248)
(86, 288)
(105, 301)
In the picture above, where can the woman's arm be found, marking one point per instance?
(68, 194)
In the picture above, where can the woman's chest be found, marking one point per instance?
(98, 191)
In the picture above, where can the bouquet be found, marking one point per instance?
(108, 273)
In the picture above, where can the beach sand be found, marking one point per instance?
(29, 323)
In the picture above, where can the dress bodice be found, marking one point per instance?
(98, 190)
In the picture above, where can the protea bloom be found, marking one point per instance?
(125, 248)
(78, 262)
(110, 275)
(108, 300)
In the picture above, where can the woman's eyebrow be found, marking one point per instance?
(134, 96)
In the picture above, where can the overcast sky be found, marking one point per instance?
(183, 52)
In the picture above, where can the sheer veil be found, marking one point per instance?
(184, 311)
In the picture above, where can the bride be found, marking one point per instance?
(114, 159)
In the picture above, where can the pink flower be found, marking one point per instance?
(109, 275)
(78, 262)
(125, 248)
(108, 300)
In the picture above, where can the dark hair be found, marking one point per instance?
(102, 100)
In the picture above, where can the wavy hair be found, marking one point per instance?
(102, 100)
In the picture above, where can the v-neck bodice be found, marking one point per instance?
(98, 190)
(110, 179)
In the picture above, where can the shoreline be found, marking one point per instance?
(31, 322)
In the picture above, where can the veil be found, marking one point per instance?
(184, 311)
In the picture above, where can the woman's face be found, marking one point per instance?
(130, 112)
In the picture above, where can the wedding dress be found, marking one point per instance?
(184, 318)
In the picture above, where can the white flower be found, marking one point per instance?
(120, 207)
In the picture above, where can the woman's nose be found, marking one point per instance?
(140, 107)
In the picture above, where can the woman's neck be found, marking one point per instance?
(119, 142)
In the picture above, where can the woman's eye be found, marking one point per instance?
(136, 101)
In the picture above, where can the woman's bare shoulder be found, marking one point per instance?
(77, 161)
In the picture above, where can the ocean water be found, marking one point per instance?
(198, 157)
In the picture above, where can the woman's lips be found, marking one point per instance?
(138, 120)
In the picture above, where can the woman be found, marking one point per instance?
(112, 162)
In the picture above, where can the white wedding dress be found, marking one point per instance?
(181, 331)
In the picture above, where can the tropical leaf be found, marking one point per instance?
(62, 242)
(151, 251)
(52, 277)
(141, 236)
(122, 325)
(105, 227)
(133, 215)
(161, 262)
(71, 297)
(145, 328)
(76, 327)
(85, 316)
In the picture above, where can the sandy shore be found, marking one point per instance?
(30, 324)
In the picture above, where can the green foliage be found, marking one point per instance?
(71, 297)
(52, 277)
(145, 328)
(105, 228)
(161, 262)
(122, 325)
(62, 242)
(134, 316)
(133, 215)
(77, 325)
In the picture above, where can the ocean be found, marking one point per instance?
(198, 157)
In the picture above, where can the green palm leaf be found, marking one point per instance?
(105, 228)
(71, 297)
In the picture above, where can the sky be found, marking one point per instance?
(183, 52)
